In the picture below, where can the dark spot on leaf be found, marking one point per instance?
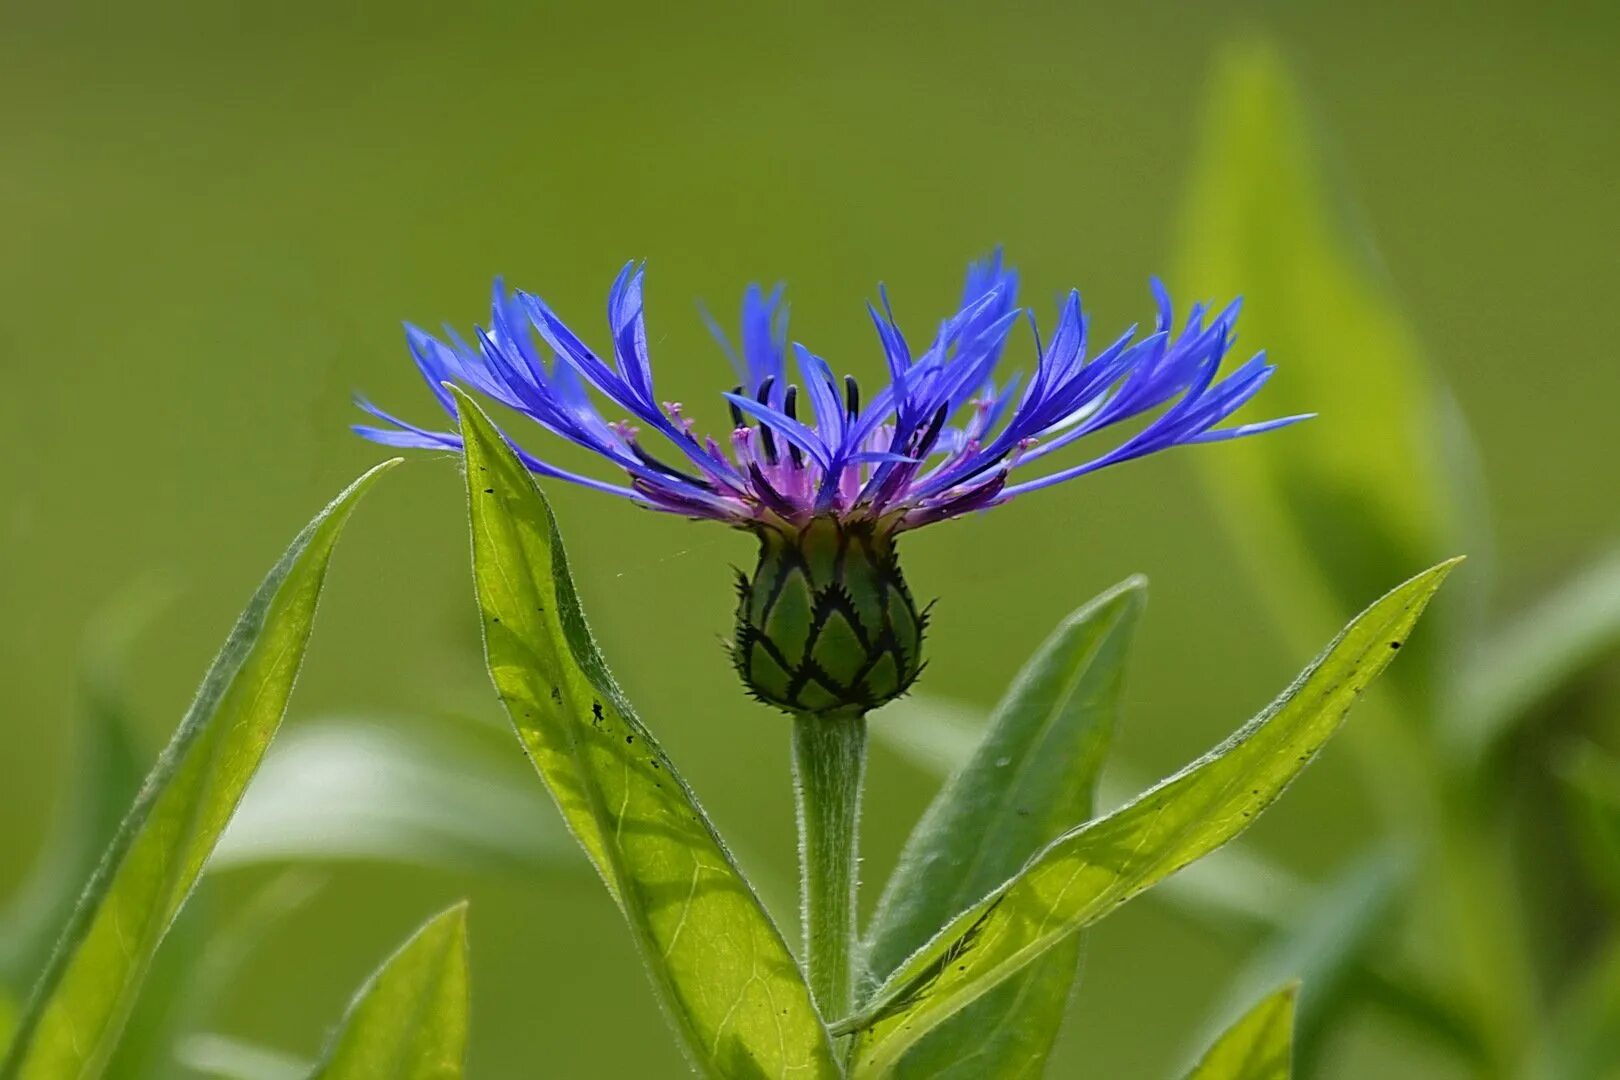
(596, 711)
(1394, 644)
(556, 695)
(629, 738)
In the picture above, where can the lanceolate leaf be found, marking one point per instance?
(734, 991)
(1093, 869)
(86, 995)
(1337, 507)
(1236, 890)
(1033, 775)
(1258, 1046)
(409, 1021)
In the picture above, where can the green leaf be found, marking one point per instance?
(737, 997)
(1257, 1047)
(87, 993)
(1556, 640)
(409, 1021)
(106, 774)
(1235, 890)
(1325, 946)
(381, 789)
(1334, 508)
(1090, 871)
(1033, 775)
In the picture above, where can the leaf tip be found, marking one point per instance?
(1136, 584)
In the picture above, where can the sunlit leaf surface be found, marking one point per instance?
(1333, 509)
(734, 991)
(1258, 1046)
(409, 1021)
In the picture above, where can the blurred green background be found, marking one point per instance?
(216, 216)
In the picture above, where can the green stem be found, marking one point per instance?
(829, 763)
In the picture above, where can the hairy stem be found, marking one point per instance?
(829, 764)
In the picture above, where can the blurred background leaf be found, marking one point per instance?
(1591, 779)
(108, 769)
(1333, 512)
(397, 789)
(1322, 949)
(1535, 655)
(1582, 1041)
(225, 1058)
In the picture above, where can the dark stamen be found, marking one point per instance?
(767, 438)
(852, 396)
(790, 405)
(658, 466)
(737, 420)
(926, 443)
(768, 494)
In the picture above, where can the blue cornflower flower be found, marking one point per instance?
(826, 478)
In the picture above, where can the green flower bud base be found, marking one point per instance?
(827, 624)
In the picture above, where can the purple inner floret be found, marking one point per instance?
(941, 439)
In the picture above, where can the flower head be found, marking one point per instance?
(828, 477)
(946, 436)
